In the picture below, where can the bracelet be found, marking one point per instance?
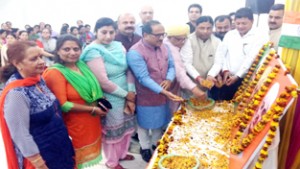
(93, 111)
(36, 160)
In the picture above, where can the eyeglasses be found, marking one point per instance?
(69, 49)
(159, 35)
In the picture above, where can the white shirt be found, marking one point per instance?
(236, 53)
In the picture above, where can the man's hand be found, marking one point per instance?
(171, 96)
(226, 75)
(231, 80)
(166, 84)
(219, 82)
(199, 93)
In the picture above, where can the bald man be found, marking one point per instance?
(146, 15)
(126, 28)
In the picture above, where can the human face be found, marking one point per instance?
(204, 30)
(243, 25)
(36, 29)
(87, 29)
(23, 36)
(156, 37)
(178, 41)
(275, 19)
(146, 14)
(194, 14)
(3, 35)
(9, 25)
(4, 26)
(46, 34)
(222, 27)
(69, 52)
(32, 64)
(105, 35)
(10, 39)
(126, 24)
(75, 32)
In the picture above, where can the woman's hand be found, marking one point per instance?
(37, 161)
(129, 108)
(100, 112)
(130, 96)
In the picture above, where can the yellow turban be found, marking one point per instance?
(178, 30)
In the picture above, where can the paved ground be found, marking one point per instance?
(138, 163)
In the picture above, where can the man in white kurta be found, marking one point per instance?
(235, 54)
(198, 52)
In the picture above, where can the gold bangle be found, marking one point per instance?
(36, 160)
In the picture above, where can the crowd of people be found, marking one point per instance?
(79, 91)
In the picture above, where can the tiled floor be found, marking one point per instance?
(138, 163)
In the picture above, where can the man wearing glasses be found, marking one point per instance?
(198, 52)
(152, 65)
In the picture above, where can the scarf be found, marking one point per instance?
(86, 85)
(12, 161)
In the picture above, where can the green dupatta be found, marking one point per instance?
(86, 85)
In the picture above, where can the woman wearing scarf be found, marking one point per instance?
(33, 131)
(77, 90)
(107, 60)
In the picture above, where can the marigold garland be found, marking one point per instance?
(277, 109)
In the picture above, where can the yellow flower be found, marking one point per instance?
(294, 94)
(258, 165)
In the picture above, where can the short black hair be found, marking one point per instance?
(2, 31)
(221, 18)
(105, 21)
(147, 27)
(72, 28)
(204, 19)
(195, 6)
(244, 13)
(277, 7)
(29, 30)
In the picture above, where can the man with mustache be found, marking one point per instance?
(146, 15)
(152, 65)
(275, 23)
(126, 28)
(198, 52)
(222, 26)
